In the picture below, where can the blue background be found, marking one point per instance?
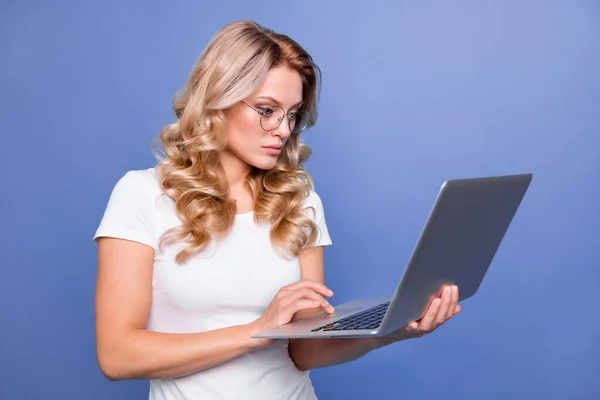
(414, 93)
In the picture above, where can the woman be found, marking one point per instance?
(224, 237)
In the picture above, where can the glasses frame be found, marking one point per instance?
(285, 114)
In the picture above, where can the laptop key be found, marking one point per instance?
(368, 319)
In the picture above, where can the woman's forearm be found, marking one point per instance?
(318, 353)
(144, 354)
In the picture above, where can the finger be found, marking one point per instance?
(306, 294)
(298, 305)
(411, 329)
(426, 324)
(440, 318)
(454, 302)
(303, 293)
(457, 309)
(316, 286)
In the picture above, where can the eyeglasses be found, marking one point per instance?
(271, 117)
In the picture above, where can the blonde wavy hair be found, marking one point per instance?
(231, 68)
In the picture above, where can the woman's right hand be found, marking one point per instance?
(291, 299)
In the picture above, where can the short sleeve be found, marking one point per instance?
(130, 211)
(314, 209)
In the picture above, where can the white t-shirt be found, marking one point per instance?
(231, 282)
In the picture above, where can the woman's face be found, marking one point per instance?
(252, 144)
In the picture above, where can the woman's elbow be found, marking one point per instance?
(302, 368)
(111, 368)
(111, 363)
(295, 354)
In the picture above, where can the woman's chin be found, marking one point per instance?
(264, 163)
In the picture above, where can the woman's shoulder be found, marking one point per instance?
(313, 198)
(313, 204)
(137, 187)
(131, 209)
(144, 180)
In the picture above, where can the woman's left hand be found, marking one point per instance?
(441, 310)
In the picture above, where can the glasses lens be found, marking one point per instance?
(271, 117)
(299, 123)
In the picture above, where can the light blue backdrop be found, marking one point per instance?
(414, 93)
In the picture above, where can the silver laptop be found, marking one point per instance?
(457, 245)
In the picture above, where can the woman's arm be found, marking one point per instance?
(125, 349)
(318, 353)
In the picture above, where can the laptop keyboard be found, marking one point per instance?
(368, 319)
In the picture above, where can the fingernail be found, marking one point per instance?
(317, 303)
(329, 292)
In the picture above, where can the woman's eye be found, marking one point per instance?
(267, 112)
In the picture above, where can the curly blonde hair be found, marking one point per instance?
(231, 67)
